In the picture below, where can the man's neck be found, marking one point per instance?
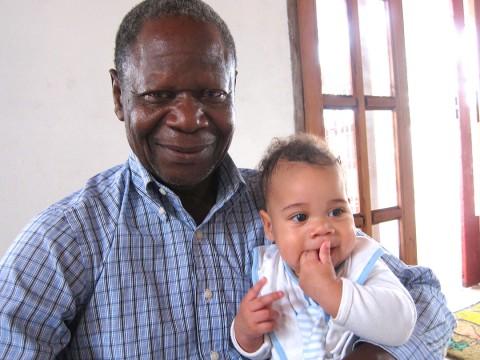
(199, 200)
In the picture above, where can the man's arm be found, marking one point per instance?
(36, 300)
(435, 322)
(369, 351)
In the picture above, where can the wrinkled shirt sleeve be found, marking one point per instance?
(39, 293)
(435, 322)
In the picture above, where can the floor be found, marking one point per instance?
(459, 297)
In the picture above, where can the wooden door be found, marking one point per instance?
(465, 12)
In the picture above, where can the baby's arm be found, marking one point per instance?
(255, 318)
(380, 311)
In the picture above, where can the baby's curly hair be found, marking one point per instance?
(300, 147)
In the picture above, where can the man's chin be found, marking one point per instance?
(185, 182)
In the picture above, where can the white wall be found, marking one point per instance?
(57, 126)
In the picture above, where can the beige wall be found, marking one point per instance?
(57, 126)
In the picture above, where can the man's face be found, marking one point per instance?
(177, 100)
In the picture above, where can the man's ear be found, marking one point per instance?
(117, 94)
(267, 225)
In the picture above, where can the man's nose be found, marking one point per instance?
(187, 113)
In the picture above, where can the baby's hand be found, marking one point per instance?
(318, 280)
(255, 317)
(316, 267)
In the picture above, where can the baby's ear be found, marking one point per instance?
(267, 225)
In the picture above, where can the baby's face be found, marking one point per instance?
(306, 206)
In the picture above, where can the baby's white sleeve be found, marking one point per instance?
(264, 352)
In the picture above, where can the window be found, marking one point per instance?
(349, 65)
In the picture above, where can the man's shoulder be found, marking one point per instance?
(101, 194)
(249, 172)
(89, 213)
(102, 185)
(251, 177)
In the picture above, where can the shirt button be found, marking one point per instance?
(162, 191)
(162, 211)
(199, 235)
(214, 355)
(208, 294)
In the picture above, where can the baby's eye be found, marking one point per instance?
(299, 217)
(336, 212)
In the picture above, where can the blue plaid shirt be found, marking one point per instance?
(119, 270)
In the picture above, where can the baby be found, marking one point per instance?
(319, 286)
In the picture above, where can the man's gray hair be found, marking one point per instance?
(159, 9)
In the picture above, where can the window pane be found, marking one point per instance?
(340, 135)
(381, 159)
(375, 52)
(334, 47)
(388, 234)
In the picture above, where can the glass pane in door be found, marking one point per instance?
(340, 135)
(334, 47)
(381, 159)
(374, 32)
(388, 234)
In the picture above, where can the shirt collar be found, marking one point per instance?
(141, 177)
(230, 178)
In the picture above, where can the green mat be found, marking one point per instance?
(465, 342)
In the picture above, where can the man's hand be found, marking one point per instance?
(369, 351)
(255, 317)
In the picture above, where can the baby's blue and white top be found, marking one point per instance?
(374, 306)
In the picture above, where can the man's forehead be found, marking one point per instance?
(179, 27)
(180, 36)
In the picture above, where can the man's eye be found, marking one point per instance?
(156, 96)
(213, 95)
(299, 217)
(336, 212)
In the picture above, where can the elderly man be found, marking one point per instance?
(151, 259)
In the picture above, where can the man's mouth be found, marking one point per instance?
(185, 153)
(186, 149)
